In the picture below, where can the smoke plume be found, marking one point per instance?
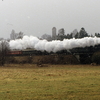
(54, 46)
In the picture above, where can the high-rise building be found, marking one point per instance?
(61, 32)
(75, 31)
(54, 32)
(13, 35)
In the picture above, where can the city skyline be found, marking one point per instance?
(38, 17)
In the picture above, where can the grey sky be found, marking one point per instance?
(36, 17)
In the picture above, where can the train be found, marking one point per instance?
(81, 54)
(33, 52)
(74, 51)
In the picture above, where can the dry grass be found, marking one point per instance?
(55, 82)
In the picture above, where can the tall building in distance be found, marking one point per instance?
(13, 35)
(61, 32)
(54, 32)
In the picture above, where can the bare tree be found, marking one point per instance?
(4, 48)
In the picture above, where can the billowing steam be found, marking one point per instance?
(55, 45)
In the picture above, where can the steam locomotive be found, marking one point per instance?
(78, 50)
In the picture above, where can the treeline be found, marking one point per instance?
(81, 34)
(75, 34)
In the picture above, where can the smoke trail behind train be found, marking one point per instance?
(54, 46)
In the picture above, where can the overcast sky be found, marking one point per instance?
(37, 17)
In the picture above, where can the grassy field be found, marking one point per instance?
(55, 82)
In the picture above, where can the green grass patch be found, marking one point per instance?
(55, 82)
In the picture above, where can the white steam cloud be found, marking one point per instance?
(54, 46)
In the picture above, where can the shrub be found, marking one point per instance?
(96, 57)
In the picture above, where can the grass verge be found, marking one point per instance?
(55, 82)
